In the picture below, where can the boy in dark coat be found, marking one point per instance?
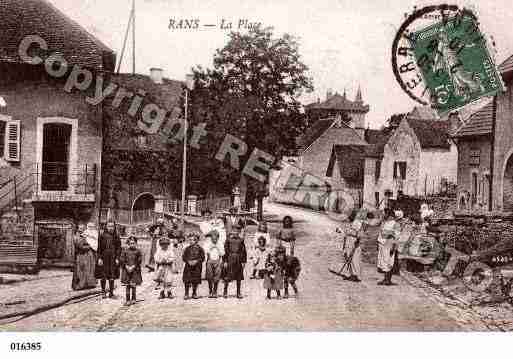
(130, 261)
(291, 274)
(109, 250)
(234, 260)
(193, 257)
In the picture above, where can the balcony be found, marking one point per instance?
(55, 182)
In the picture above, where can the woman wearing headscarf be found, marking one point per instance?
(85, 260)
(387, 246)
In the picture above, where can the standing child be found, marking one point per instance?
(287, 236)
(165, 275)
(274, 270)
(193, 257)
(130, 261)
(260, 254)
(262, 231)
(214, 251)
(292, 270)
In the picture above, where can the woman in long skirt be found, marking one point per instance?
(387, 246)
(85, 261)
(352, 251)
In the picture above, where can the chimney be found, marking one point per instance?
(156, 75)
(329, 94)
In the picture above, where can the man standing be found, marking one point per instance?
(156, 231)
(109, 251)
(234, 260)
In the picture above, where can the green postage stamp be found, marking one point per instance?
(455, 62)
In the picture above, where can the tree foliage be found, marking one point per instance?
(252, 93)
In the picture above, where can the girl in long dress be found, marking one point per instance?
(387, 246)
(287, 236)
(85, 261)
(166, 272)
(259, 257)
(131, 276)
(275, 271)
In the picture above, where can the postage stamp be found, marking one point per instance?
(455, 62)
(444, 60)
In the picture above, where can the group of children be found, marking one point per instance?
(270, 263)
(273, 265)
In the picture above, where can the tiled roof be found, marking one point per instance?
(345, 134)
(339, 102)
(314, 132)
(507, 65)
(20, 18)
(479, 124)
(166, 95)
(424, 113)
(377, 140)
(431, 133)
(350, 159)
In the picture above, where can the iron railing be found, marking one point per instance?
(50, 177)
(56, 177)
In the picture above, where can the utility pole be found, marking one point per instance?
(133, 36)
(189, 85)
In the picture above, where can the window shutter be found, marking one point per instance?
(12, 141)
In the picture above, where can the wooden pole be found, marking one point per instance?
(125, 40)
(184, 163)
(133, 36)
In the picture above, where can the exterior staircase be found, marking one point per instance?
(18, 251)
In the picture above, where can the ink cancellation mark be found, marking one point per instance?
(184, 24)
(447, 63)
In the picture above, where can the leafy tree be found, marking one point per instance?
(252, 93)
(393, 122)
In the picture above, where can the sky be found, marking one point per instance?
(345, 43)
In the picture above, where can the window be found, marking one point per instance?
(376, 199)
(400, 170)
(474, 191)
(475, 157)
(9, 139)
(378, 170)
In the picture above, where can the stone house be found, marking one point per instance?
(336, 121)
(132, 187)
(474, 141)
(418, 159)
(51, 139)
(338, 126)
(485, 140)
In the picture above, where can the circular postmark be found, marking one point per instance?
(406, 70)
(441, 57)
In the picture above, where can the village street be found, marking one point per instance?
(326, 302)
